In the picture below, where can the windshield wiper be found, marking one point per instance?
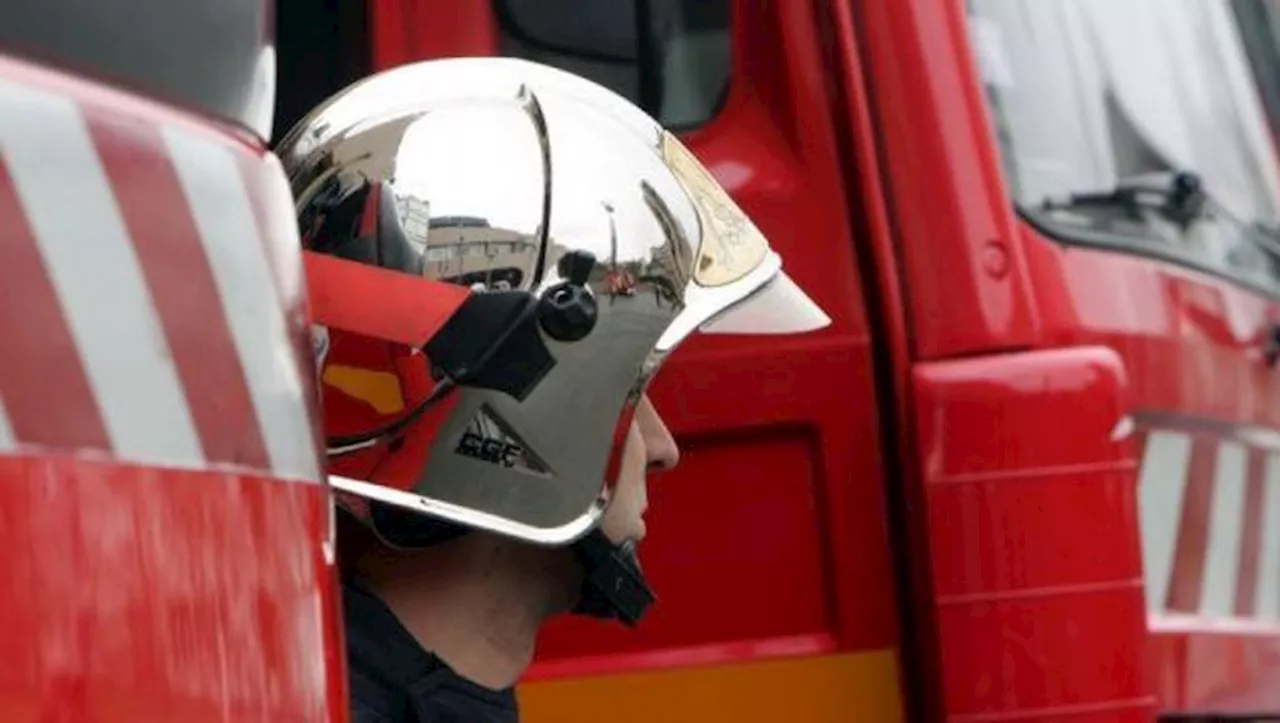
(1178, 195)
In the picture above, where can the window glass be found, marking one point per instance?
(1088, 96)
(670, 57)
(1259, 23)
(321, 46)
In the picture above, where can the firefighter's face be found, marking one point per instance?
(649, 448)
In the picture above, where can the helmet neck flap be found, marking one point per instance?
(613, 584)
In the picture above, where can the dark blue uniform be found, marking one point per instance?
(393, 680)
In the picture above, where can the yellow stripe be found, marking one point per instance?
(848, 687)
(381, 390)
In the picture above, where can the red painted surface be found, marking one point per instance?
(160, 222)
(134, 593)
(198, 588)
(47, 393)
(950, 208)
(1037, 572)
(1192, 345)
(1211, 668)
(400, 29)
(1193, 529)
(1251, 535)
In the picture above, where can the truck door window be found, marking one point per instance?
(321, 46)
(1109, 114)
(1259, 23)
(670, 57)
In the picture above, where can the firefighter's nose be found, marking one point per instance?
(661, 451)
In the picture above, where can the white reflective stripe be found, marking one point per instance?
(1226, 518)
(8, 442)
(1267, 600)
(1161, 487)
(220, 205)
(92, 264)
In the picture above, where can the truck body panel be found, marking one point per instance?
(166, 522)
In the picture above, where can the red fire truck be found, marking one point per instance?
(1032, 472)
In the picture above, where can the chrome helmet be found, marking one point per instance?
(501, 255)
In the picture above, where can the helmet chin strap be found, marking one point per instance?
(613, 585)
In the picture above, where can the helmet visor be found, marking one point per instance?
(780, 307)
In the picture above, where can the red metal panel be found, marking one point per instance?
(712, 588)
(136, 593)
(1251, 532)
(1032, 516)
(1208, 668)
(963, 265)
(46, 391)
(1192, 345)
(402, 29)
(1193, 529)
(158, 566)
(179, 278)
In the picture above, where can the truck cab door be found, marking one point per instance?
(1084, 103)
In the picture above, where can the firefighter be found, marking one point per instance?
(489, 446)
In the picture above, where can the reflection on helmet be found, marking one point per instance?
(595, 241)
